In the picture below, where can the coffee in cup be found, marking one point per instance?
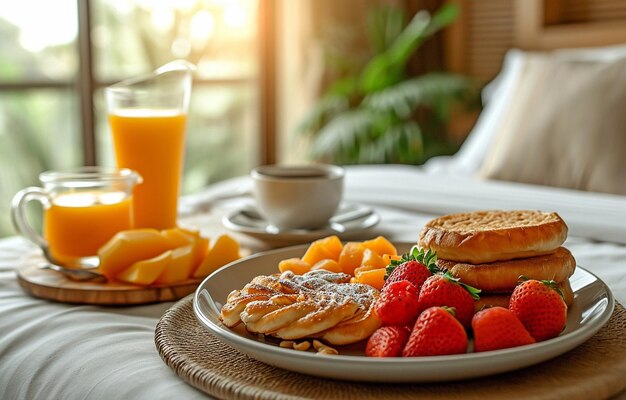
(298, 196)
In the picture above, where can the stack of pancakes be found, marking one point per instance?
(490, 250)
(319, 304)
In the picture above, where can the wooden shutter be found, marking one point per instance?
(486, 29)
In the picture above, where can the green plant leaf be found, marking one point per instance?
(444, 16)
(344, 87)
(437, 90)
(388, 67)
(411, 38)
(402, 143)
(342, 133)
(384, 26)
(325, 110)
(379, 73)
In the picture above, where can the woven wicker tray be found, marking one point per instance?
(596, 369)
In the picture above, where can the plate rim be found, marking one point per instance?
(577, 336)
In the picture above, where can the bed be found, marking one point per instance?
(62, 351)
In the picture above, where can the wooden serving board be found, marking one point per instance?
(52, 285)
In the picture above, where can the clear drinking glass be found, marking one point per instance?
(83, 209)
(148, 117)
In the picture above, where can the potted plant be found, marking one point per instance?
(381, 114)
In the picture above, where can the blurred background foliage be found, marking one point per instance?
(378, 112)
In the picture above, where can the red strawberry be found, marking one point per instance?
(446, 290)
(540, 307)
(498, 328)
(398, 303)
(412, 271)
(387, 341)
(415, 267)
(436, 332)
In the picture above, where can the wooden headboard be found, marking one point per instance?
(486, 29)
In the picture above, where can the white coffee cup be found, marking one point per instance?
(297, 196)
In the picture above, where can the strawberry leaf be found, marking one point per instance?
(551, 284)
(450, 310)
(471, 289)
(389, 269)
(426, 257)
(475, 293)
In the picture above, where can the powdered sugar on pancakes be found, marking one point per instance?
(315, 304)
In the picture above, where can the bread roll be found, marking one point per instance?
(486, 236)
(503, 276)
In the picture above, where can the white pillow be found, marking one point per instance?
(566, 127)
(497, 97)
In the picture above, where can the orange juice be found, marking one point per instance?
(78, 224)
(152, 143)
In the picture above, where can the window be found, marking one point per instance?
(58, 56)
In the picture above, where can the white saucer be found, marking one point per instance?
(350, 219)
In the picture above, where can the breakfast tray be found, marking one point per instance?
(596, 369)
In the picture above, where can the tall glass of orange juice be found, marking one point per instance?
(148, 117)
(83, 209)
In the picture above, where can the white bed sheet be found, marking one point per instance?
(59, 351)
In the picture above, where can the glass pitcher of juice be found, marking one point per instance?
(83, 209)
(148, 117)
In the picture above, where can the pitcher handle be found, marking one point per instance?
(18, 214)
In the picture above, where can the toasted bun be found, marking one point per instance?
(503, 276)
(502, 299)
(487, 236)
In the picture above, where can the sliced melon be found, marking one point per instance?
(351, 256)
(372, 259)
(145, 272)
(225, 250)
(381, 246)
(327, 248)
(328, 265)
(128, 247)
(178, 237)
(180, 266)
(200, 251)
(295, 265)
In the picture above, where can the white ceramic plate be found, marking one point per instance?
(350, 219)
(592, 308)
